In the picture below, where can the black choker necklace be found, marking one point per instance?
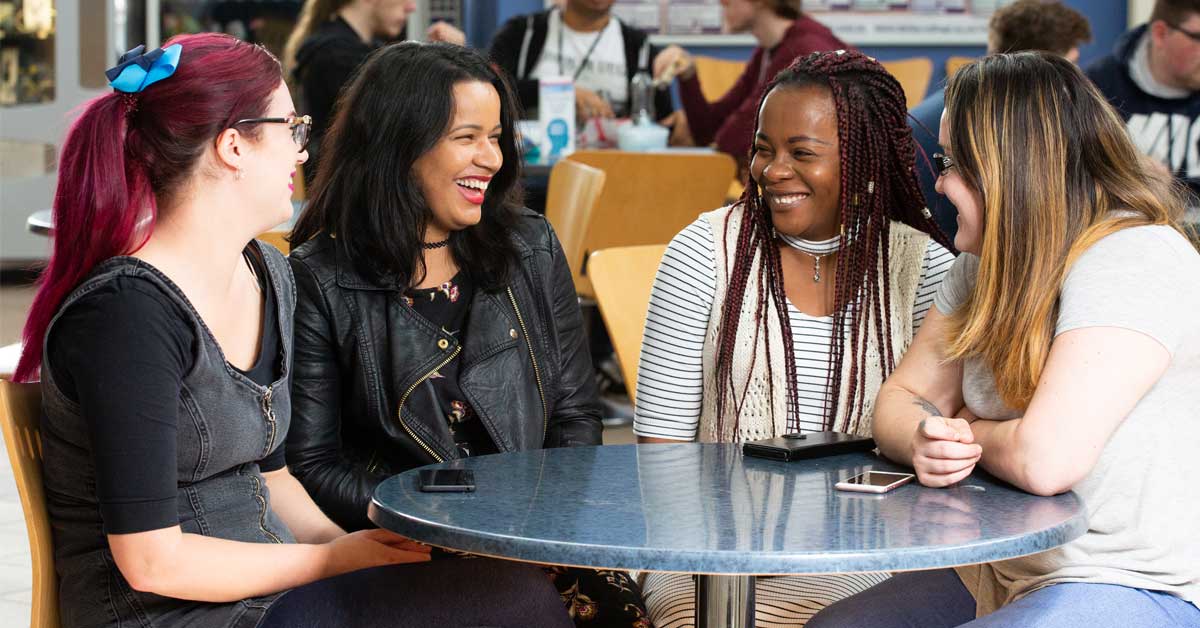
(428, 246)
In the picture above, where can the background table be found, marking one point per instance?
(706, 509)
(41, 222)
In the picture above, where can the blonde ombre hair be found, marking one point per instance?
(312, 16)
(1056, 172)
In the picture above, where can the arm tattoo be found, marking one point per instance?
(927, 406)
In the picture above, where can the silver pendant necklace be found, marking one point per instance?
(816, 266)
(816, 250)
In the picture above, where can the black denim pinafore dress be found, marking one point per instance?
(226, 424)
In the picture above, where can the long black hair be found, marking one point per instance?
(396, 109)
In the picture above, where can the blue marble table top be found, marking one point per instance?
(704, 508)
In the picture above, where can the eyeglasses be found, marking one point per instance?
(942, 163)
(300, 126)
(1193, 35)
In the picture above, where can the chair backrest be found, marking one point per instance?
(622, 278)
(717, 75)
(650, 197)
(954, 63)
(20, 417)
(276, 239)
(914, 76)
(570, 198)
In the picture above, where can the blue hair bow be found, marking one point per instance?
(137, 68)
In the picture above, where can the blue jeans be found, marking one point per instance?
(938, 599)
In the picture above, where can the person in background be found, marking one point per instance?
(1152, 78)
(330, 40)
(757, 323)
(782, 32)
(436, 319)
(162, 335)
(1069, 365)
(1023, 25)
(583, 40)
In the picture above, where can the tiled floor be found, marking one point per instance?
(15, 569)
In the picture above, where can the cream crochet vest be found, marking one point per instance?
(764, 415)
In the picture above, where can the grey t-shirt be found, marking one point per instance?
(1140, 497)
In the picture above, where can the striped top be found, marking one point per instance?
(670, 375)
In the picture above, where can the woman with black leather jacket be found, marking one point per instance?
(435, 318)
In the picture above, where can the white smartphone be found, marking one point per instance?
(874, 482)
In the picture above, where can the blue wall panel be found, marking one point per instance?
(1107, 18)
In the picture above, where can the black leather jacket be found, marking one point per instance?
(359, 350)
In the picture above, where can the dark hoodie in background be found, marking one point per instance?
(1164, 128)
(325, 63)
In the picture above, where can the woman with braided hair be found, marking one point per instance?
(785, 311)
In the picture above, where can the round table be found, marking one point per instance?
(41, 222)
(706, 509)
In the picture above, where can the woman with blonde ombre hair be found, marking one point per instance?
(331, 39)
(1063, 353)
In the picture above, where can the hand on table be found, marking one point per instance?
(441, 31)
(589, 104)
(944, 451)
(371, 548)
(672, 62)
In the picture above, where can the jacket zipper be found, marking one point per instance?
(400, 407)
(269, 415)
(537, 373)
(373, 462)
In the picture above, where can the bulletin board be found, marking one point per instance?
(857, 22)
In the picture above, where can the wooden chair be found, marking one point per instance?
(622, 278)
(954, 63)
(914, 76)
(717, 75)
(276, 239)
(650, 197)
(20, 417)
(570, 198)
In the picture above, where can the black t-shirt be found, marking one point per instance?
(440, 396)
(121, 352)
(324, 64)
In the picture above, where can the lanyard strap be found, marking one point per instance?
(562, 26)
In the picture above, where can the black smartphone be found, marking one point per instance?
(808, 445)
(446, 480)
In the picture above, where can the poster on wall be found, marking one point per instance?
(859, 22)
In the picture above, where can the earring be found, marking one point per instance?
(238, 175)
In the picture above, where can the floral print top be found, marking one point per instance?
(448, 306)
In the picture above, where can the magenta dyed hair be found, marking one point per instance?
(127, 154)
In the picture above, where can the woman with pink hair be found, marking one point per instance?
(162, 333)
